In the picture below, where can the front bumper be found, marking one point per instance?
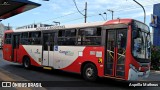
(135, 75)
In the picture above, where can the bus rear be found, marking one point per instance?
(7, 45)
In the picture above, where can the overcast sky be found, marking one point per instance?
(64, 11)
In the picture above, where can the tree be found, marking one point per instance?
(155, 57)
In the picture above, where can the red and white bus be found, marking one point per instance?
(117, 49)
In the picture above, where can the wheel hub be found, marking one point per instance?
(89, 72)
(26, 63)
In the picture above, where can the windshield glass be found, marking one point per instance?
(141, 42)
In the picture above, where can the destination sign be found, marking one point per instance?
(50, 28)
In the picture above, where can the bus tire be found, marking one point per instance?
(90, 72)
(26, 63)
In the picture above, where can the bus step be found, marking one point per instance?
(49, 68)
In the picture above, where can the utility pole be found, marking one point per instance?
(111, 12)
(85, 15)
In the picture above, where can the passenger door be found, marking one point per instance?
(115, 56)
(15, 44)
(48, 48)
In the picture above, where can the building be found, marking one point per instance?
(2, 29)
(33, 26)
(155, 23)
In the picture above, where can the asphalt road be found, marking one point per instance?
(59, 79)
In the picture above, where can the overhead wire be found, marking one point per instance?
(59, 17)
(65, 15)
(79, 18)
(116, 11)
(128, 9)
(151, 2)
(77, 7)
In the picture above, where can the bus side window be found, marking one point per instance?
(98, 32)
(24, 38)
(7, 39)
(61, 33)
(89, 36)
(70, 37)
(70, 33)
(35, 38)
(67, 37)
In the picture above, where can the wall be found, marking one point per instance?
(156, 30)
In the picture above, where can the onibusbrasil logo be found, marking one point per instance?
(21, 84)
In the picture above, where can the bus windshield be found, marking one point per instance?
(141, 42)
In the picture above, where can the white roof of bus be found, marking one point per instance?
(82, 25)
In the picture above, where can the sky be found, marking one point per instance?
(65, 12)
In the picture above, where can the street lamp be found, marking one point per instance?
(106, 15)
(143, 10)
(102, 16)
(111, 12)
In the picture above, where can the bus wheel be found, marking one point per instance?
(90, 72)
(26, 62)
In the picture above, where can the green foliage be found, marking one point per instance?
(155, 58)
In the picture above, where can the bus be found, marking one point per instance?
(117, 49)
